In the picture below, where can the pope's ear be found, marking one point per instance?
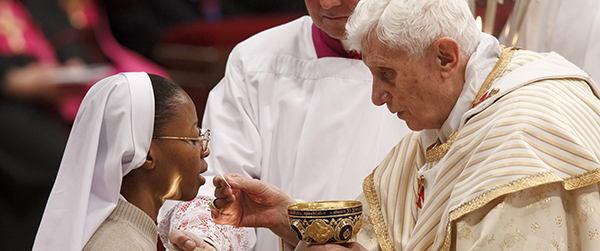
(448, 55)
(150, 162)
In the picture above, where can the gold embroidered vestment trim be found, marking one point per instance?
(375, 214)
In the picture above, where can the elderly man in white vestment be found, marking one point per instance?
(507, 150)
(294, 110)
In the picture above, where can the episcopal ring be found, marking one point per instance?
(211, 204)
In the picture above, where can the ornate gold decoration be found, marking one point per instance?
(485, 240)
(535, 227)
(375, 214)
(325, 221)
(320, 230)
(437, 151)
(357, 225)
(593, 234)
(211, 205)
(463, 231)
(343, 230)
(581, 180)
(505, 57)
(300, 231)
(559, 221)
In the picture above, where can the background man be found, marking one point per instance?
(570, 28)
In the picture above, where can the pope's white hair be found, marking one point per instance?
(413, 25)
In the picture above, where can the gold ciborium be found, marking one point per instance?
(325, 221)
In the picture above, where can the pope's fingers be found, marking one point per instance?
(233, 180)
(220, 181)
(224, 194)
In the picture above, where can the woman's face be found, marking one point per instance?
(181, 161)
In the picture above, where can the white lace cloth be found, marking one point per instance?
(222, 237)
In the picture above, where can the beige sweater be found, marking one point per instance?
(126, 228)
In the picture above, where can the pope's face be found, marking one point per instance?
(331, 15)
(414, 91)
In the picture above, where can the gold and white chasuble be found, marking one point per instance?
(521, 173)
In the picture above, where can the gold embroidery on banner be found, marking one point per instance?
(437, 151)
(375, 214)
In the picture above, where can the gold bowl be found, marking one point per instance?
(325, 221)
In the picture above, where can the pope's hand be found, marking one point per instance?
(252, 203)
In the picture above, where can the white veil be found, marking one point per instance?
(110, 137)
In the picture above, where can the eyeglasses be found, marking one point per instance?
(203, 139)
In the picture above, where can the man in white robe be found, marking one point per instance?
(507, 156)
(294, 110)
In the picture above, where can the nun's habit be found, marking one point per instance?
(110, 137)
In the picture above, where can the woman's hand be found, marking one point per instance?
(188, 241)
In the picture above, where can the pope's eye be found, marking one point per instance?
(384, 74)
